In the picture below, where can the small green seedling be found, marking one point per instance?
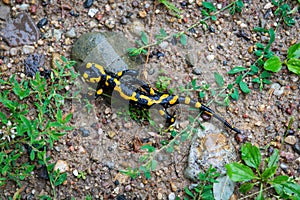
(204, 189)
(255, 173)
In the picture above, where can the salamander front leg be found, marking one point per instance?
(170, 119)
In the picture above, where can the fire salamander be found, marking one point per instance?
(143, 97)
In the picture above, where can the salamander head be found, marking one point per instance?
(93, 73)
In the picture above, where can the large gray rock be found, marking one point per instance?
(20, 31)
(209, 147)
(107, 49)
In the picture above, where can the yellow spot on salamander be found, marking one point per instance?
(209, 113)
(98, 67)
(121, 93)
(85, 75)
(187, 100)
(161, 112)
(152, 91)
(95, 80)
(89, 65)
(99, 92)
(120, 73)
(172, 101)
(172, 120)
(198, 105)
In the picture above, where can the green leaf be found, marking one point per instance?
(219, 79)
(254, 69)
(269, 172)
(3, 118)
(274, 158)
(213, 17)
(188, 192)
(246, 187)
(294, 51)
(209, 6)
(288, 188)
(260, 29)
(260, 195)
(258, 53)
(260, 45)
(144, 38)
(280, 179)
(244, 87)
(272, 36)
(273, 64)
(239, 79)
(239, 172)
(265, 74)
(266, 81)
(256, 80)
(236, 70)
(148, 147)
(32, 155)
(294, 66)
(183, 39)
(153, 164)
(235, 94)
(251, 155)
(61, 178)
(239, 5)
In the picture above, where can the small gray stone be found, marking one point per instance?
(110, 23)
(164, 45)
(283, 166)
(123, 20)
(84, 132)
(197, 71)
(136, 27)
(23, 7)
(28, 49)
(127, 188)
(13, 51)
(54, 33)
(71, 33)
(291, 139)
(297, 147)
(4, 12)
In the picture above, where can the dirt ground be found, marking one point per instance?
(100, 145)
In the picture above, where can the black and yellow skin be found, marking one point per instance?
(144, 96)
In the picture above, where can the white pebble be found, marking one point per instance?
(210, 58)
(172, 196)
(268, 5)
(92, 12)
(75, 172)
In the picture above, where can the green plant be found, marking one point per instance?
(162, 83)
(285, 12)
(31, 120)
(82, 174)
(203, 190)
(255, 173)
(171, 7)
